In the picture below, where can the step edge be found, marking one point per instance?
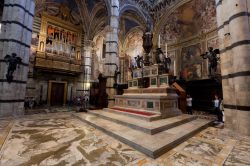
(151, 153)
(136, 127)
(119, 138)
(132, 115)
(150, 131)
(183, 138)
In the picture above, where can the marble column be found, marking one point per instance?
(111, 54)
(234, 35)
(16, 34)
(83, 87)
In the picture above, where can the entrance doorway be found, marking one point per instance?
(57, 93)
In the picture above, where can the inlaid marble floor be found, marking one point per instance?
(58, 139)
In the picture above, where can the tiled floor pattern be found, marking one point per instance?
(5, 127)
(58, 139)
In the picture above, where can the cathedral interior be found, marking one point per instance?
(124, 82)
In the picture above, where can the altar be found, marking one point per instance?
(149, 91)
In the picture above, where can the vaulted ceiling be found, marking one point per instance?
(94, 14)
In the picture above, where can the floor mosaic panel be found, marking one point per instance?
(58, 139)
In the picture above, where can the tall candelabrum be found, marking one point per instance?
(147, 45)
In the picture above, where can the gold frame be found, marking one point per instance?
(65, 90)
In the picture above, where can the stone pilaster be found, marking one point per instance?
(112, 56)
(234, 34)
(16, 34)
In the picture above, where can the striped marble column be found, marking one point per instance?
(234, 34)
(16, 34)
(83, 84)
(112, 56)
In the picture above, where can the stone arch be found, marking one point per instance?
(108, 6)
(129, 7)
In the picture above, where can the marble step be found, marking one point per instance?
(142, 125)
(151, 145)
(138, 116)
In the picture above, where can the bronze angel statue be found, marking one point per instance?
(213, 58)
(13, 61)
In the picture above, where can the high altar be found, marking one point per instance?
(148, 89)
(156, 96)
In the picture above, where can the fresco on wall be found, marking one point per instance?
(97, 60)
(133, 44)
(214, 42)
(192, 18)
(191, 67)
(66, 10)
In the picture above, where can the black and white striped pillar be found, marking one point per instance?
(16, 35)
(83, 87)
(234, 34)
(112, 51)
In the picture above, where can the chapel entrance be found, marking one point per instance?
(57, 93)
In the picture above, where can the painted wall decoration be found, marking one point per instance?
(133, 44)
(214, 42)
(191, 62)
(192, 18)
(66, 10)
(98, 61)
(127, 69)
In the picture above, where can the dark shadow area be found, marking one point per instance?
(202, 92)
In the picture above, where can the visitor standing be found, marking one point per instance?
(222, 111)
(189, 105)
(217, 108)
